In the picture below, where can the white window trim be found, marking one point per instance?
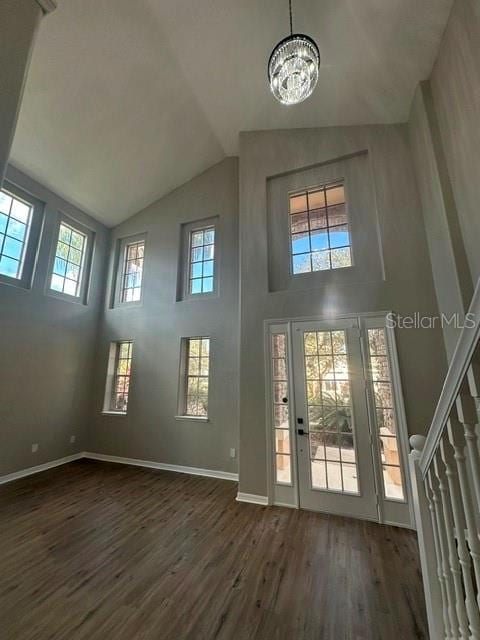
(32, 242)
(182, 381)
(110, 377)
(122, 245)
(185, 258)
(323, 185)
(85, 274)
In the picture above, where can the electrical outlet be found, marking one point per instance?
(72, 439)
(34, 448)
(233, 453)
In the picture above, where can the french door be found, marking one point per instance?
(335, 419)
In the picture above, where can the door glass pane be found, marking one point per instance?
(331, 431)
(281, 424)
(385, 415)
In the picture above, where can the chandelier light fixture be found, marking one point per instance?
(293, 67)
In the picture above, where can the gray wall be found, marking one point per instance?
(47, 348)
(150, 431)
(453, 284)
(445, 141)
(455, 83)
(19, 20)
(406, 288)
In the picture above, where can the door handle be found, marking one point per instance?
(302, 432)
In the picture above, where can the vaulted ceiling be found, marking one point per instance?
(128, 99)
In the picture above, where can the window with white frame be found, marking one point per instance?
(195, 370)
(201, 276)
(118, 377)
(132, 271)
(69, 260)
(281, 421)
(16, 217)
(319, 229)
(385, 415)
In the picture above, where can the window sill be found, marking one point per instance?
(122, 414)
(193, 418)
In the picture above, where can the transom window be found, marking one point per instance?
(385, 415)
(69, 260)
(320, 235)
(197, 367)
(15, 221)
(132, 274)
(202, 261)
(121, 377)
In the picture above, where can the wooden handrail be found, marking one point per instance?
(457, 370)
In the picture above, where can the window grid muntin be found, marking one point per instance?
(332, 346)
(6, 218)
(74, 259)
(134, 256)
(380, 377)
(281, 413)
(202, 243)
(197, 372)
(309, 231)
(121, 376)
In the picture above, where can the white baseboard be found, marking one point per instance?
(16, 475)
(252, 498)
(150, 464)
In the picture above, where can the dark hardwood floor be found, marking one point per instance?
(96, 551)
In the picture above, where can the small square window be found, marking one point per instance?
(319, 230)
(20, 222)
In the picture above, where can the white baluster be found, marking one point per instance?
(435, 597)
(457, 440)
(453, 561)
(447, 453)
(467, 414)
(432, 484)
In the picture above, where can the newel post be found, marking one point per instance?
(426, 543)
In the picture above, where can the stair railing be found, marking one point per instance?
(445, 473)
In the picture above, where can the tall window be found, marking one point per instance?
(320, 236)
(132, 273)
(69, 260)
(118, 377)
(196, 368)
(15, 221)
(201, 261)
(385, 415)
(281, 423)
(332, 433)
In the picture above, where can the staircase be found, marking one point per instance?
(445, 472)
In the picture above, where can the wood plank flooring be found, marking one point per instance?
(98, 551)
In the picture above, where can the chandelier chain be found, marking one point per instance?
(291, 18)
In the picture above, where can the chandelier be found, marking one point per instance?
(293, 67)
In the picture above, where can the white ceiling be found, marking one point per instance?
(128, 99)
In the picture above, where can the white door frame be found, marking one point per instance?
(292, 498)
